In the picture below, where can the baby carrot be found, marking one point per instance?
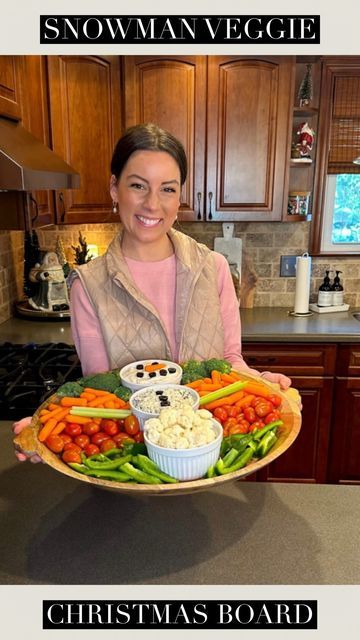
(195, 383)
(73, 402)
(234, 397)
(236, 375)
(258, 389)
(216, 377)
(245, 401)
(47, 429)
(100, 400)
(77, 419)
(51, 414)
(44, 412)
(87, 396)
(228, 378)
(209, 387)
(154, 367)
(109, 404)
(96, 392)
(59, 428)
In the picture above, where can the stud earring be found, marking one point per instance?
(114, 206)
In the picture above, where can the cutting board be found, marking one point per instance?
(230, 247)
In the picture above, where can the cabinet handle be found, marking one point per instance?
(62, 203)
(199, 205)
(210, 200)
(34, 202)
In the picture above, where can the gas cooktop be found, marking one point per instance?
(29, 373)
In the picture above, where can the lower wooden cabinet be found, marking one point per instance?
(328, 379)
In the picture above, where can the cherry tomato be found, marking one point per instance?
(73, 429)
(106, 445)
(122, 437)
(258, 424)
(226, 408)
(91, 450)
(139, 437)
(55, 443)
(71, 446)
(256, 400)
(230, 422)
(82, 440)
(272, 416)
(110, 427)
(65, 438)
(98, 438)
(263, 408)
(132, 425)
(249, 414)
(90, 428)
(121, 424)
(220, 414)
(275, 400)
(239, 427)
(70, 455)
(233, 411)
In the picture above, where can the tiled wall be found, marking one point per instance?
(263, 244)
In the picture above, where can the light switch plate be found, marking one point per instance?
(288, 266)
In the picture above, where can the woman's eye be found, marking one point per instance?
(170, 190)
(137, 185)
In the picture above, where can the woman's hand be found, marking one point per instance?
(21, 456)
(278, 378)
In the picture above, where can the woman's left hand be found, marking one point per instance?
(278, 378)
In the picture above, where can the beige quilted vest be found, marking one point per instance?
(131, 326)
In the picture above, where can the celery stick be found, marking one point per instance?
(222, 393)
(95, 412)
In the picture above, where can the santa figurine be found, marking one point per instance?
(306, 138)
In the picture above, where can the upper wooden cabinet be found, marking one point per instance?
(10, 87)
(85, 124)
(171, 92)
(233, 116)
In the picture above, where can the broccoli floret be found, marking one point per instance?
(108, 381)
(70, 389)
(193, 370)
(123, 392)
(224, 366)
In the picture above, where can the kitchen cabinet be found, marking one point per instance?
(35, 118)
(10, 87)
(311, 368)
(345, 435)
(232, 113)
(85, 117)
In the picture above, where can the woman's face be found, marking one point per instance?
(148, 195)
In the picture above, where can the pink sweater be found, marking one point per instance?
(86, 327)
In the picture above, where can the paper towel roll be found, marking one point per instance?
(302, 287)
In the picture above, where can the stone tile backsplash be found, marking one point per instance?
(263, 244)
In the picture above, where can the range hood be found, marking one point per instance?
(27, 164)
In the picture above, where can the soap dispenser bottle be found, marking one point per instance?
(325, 296)
(337, 291)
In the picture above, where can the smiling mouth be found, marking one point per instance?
(148, 222)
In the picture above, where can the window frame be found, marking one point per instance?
(327, 245)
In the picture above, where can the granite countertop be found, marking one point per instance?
(261, 324)
(56, 530)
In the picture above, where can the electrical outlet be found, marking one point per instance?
(287, 266)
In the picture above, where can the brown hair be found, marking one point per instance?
(147, 137)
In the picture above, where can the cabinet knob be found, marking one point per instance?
(62, 206)
(199, 205)
(210, 200)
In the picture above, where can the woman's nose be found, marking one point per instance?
(152, 200)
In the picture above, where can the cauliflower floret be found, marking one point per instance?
(185, 420)
(182, 443)
(200, 438)
(207, 424)
(168, 416)
(153, 423)
(197, 420)
(204, 413)
(153, 435)
(166, 440)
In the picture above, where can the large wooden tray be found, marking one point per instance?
(28, 441)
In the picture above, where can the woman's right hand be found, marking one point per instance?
(21, 455)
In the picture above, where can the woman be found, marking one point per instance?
(156, 293)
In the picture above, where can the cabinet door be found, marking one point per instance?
(35, 118)
(306, 459)
(10, 87)
(85, 124)
(170, 91)
(248, 137)
(344, 458)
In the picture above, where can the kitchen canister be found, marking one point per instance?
(302, 285)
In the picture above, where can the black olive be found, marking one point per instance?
(152, 374)
(140, 374)
(154, 363)
(172, 370)
(139, 366)
(158, 393)
(163, 372)
(163, 397)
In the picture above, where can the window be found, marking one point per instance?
(341, 223)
